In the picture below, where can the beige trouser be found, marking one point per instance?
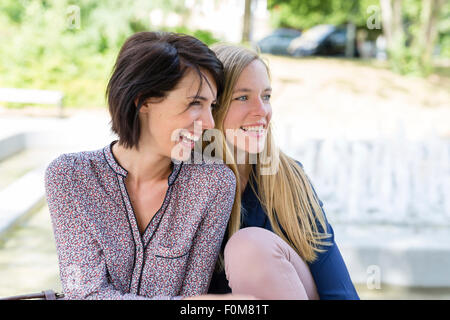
(259, 263)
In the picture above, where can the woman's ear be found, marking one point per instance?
(146, 104)
(144, 107)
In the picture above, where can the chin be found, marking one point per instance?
(253, 148)
(181, 152)
(246, 143)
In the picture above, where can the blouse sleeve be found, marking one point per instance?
(82, 264)
(209, 236)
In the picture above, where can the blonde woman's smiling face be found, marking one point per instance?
(250, 111)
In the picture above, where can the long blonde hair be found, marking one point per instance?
(285, 193)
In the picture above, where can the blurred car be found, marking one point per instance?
(324, 40)
(278, 41)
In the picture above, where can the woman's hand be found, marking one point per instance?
(228, 296)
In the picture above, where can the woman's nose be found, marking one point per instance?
(259, 107)
(207, 119)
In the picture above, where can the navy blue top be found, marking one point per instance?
(328, 270)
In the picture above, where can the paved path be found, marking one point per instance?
(28, 260)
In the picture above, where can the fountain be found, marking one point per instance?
(384, 180)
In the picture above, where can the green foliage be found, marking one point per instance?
(405, 56)
(444, 31)
(205, 36)
(44, 45)
(302, 14)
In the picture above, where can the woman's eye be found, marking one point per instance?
(213, 105)
(195, 103)
(241, 98)
(267, 97)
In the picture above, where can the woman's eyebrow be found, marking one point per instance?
(200, 98)
(249, 90)
(242, 90)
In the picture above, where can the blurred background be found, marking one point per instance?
(361, 97)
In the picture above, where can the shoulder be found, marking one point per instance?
(212, 172)
(62, 166)
(67, 166)
(299, 164)
(309, 180)
(294, 164)
(329, 229)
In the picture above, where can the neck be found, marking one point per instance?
(143, 165)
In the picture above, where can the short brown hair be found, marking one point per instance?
(150, 64)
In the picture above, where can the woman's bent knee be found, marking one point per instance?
(249, 242)
(250, 255)
(260, 263)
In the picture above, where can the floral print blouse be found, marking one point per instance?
(102, 254)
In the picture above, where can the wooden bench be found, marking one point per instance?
(33, 96)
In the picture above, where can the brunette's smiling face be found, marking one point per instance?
(172, 125)
(250, 112)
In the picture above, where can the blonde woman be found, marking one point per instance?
(280, 244)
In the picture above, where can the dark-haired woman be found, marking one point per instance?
(134, 220)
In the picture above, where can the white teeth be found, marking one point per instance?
(259, 129)
(189, 136)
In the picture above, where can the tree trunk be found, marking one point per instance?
(350, 45)
(428, 31)
(418, 57)
(391, 15)
(246, 30)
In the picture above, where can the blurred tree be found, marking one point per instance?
(411, 30)
(71, 45)
(247, 23)
(391, 12)
(302, 14)
(411, 27)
